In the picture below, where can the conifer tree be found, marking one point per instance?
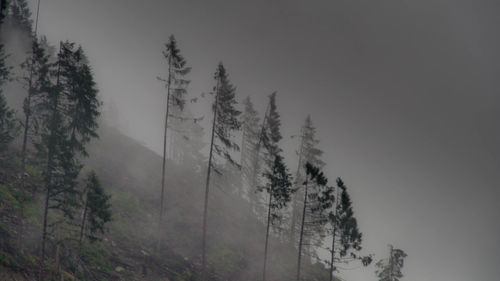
(390, 269)
(249, 150)
(225, 122)
(20, 15)
(3, 10)
(96, 209)
(176, 90)
(37, 80)
(307, 153)
(279, 192)
(8, 125)
(346, 237)
(72, 97)
(314, 178)
(278, 180)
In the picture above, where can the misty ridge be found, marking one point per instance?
(231, 194)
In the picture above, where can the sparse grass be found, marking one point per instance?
(96, 256)
(7, 197)
(228, 260)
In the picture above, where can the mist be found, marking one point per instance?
(403, 96)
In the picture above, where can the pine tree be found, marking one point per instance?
(390, 269)
(225, 122)
(314, 178)
(20, 15)
(176, 90)
(3, 10)
(346, 237)
(73, 97)
(37, 80)
(249, 151)
(278, 180)
(279, 192)
(308, 153)
(8, 125)
(96, 209)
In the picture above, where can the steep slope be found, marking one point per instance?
(131, 173)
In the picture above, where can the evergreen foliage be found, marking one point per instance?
(177, 69)
(97, 209)
(3, 10)
(314, 178)
(343, 227)
(278, 180)
(20, 15)
(308, 153)
(176, 90)
(225, 122)
(390, 269)
(68, 118)
(8, 123)
(249, 150)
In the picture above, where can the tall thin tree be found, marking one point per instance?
(7, 117)
(69, 112)
(307, 152)
(225, 122)
(278, 180)
(176, 90)
(346, 237)
(38, 64)
(314, 177)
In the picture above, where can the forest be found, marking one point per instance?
(81, 200)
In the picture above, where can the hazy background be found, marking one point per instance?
(404, 94)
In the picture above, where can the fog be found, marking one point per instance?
(404, 95)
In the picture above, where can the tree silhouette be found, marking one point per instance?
(225, 122)
(176, 90)
(390, 269)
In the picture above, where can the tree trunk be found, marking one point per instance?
(45, 212)
(302, 231)
(84, 219)
(164, 155)
(334, 226)
(256, 159)
(58, 250)
(295, 197)
(23, 167)
(267, 235)
(48, 179)
(207, 186)
(25, 141)
(391, 267)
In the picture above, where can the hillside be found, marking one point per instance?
(131, 173)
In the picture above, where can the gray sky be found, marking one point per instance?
(404, 94)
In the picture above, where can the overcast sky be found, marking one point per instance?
(404, 94)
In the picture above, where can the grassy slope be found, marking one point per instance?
(132, 173)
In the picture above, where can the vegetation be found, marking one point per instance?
(389, 269)
(56, 224)
(225, 121)
(176, 90)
